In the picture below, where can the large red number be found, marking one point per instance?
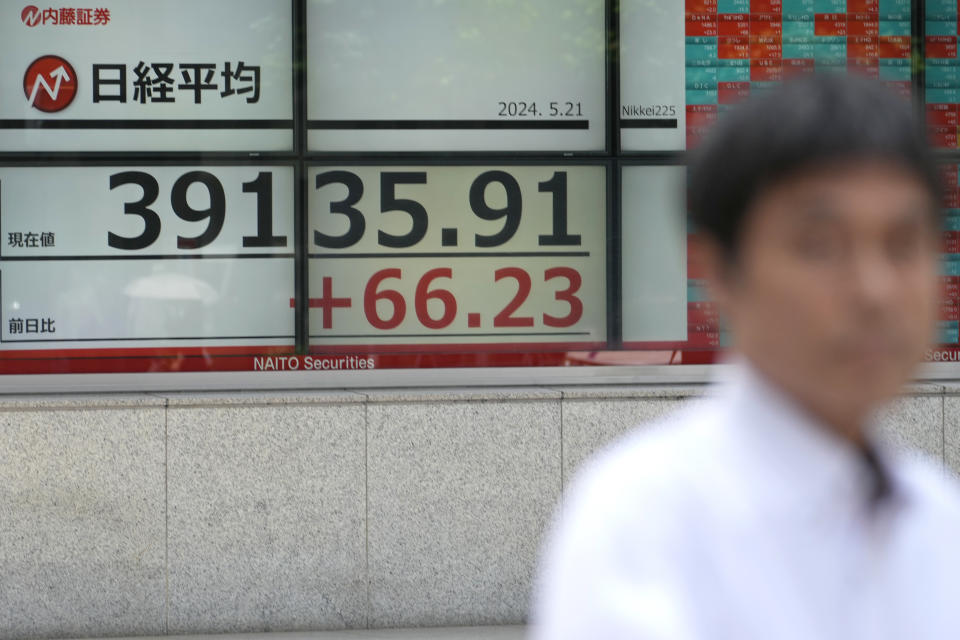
(566, 295)
(505, 318)
(424, 295)
(371, 296)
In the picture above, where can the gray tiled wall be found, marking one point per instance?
(951, 428)
(459, 493)
(82, 549)
(265, 517)
(219, 512)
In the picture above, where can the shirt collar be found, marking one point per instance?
(795, 458)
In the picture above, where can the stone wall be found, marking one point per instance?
(178, 513)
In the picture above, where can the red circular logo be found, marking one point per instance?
(50, 83)
(30, 15)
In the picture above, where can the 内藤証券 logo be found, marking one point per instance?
(31, 15)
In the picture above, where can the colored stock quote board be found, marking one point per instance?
(942, 73)
(155, 256)
(457, 75)
(140, 75)
(683, 63)
(949, 327)
(441, 258)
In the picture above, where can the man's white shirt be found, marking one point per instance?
(741, 517)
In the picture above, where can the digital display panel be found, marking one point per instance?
(459, 75)
(443, 248)
(682, 64)
(137, 75)
(103, 257)
(427, 258)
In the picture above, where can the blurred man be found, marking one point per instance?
(769, 510)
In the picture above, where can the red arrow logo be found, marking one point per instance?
(50, 84)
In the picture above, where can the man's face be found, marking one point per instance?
(835, 291)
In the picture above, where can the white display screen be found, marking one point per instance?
(652, 75)
(654, 249)
(468, 255)
(138, 75)
(459, 75)
(121, 256)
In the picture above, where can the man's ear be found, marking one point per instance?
(718, 267)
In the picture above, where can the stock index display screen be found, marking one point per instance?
(323, 185)
(461, 75)
(197, 209)
(136, 75)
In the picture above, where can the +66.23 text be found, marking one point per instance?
(385, 308)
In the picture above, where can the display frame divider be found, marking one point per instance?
(451, 157)
(299, 78)
(614, 255)
(457, 160)
(612, 58)
(301, 275)
(301, 278)
(80, 158)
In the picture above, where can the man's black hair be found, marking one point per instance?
(810, 121)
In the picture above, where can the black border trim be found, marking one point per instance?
(164, 124)
(445, 125)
